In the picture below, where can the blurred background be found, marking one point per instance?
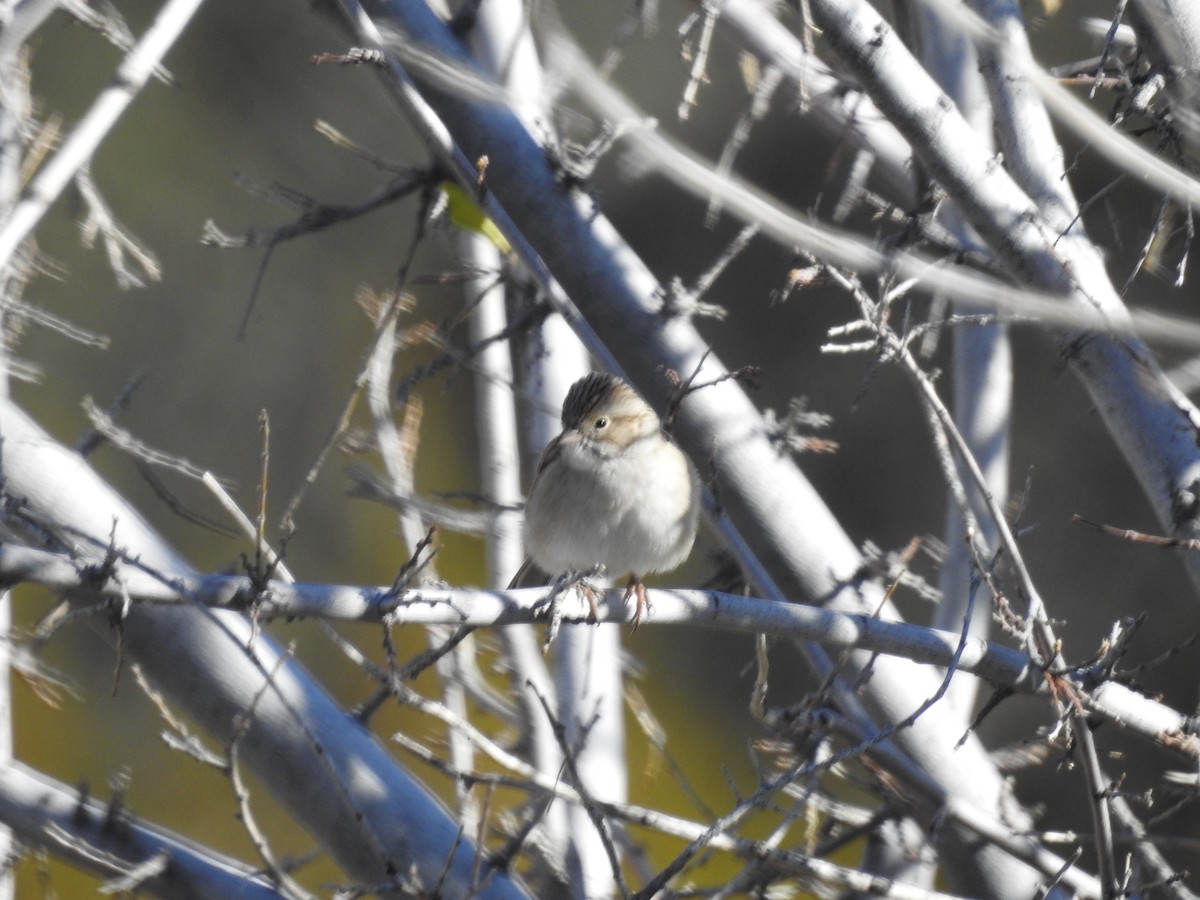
(242, 111)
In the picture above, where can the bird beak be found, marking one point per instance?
(570, 436)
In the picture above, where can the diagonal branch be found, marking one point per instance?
(35, 806)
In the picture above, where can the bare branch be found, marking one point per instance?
(68, 823)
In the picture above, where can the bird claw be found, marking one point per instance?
(579, 581)
(589, 594)
(634, 587)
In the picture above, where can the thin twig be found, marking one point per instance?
(242, 795)
(104, 427)
(1139, 537)
(594, 811)
(698, 75)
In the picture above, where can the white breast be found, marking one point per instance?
(634, 512)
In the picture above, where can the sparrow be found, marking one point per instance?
(612, 489)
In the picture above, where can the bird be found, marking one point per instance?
(611, 489)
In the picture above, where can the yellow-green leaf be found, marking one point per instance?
(466, 214)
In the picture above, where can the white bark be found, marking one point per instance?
(53, 816)
(982, 368)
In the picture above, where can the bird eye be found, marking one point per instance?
(601, 423)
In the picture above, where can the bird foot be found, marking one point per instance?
(589, 594)
(634, 587)
(580, 580)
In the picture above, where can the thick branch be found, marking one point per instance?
(85, 832)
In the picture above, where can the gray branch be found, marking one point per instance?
(48, 814)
